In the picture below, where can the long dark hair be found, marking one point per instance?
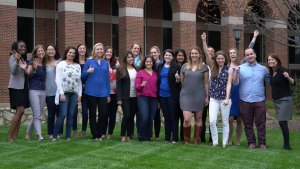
(113, 59)
(123, 67)
(143, 66)
(34, 53)
(177, 51)
(86, 55)
(215, 68)
(57, 55)
(76, 59)
(279, 65)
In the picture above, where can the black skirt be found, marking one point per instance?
(19, 97)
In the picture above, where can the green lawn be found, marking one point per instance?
(86, 153)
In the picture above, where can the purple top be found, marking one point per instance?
(150, 89)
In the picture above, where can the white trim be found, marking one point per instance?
(184, 16)
(128, 11)
(153, 22)
(9, 2)
(275, 24)
(70, 6)
(232, 20)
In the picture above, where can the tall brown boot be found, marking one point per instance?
(197, 134)
(187, 134)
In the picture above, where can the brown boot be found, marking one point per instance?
(197, 134)
(187, 134)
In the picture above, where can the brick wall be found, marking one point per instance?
(8, 34)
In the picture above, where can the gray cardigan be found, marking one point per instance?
(17, 77)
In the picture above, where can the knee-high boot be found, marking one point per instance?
(187, 134)
(197, 133)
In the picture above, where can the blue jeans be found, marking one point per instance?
(66, 109)
(84, 112)
(168, 107)
(147, 107)
(53, 110)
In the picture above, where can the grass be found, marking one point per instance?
(86, 153)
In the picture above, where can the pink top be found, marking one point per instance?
(150, 89)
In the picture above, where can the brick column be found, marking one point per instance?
(70, 23)
(131, 24)
(45, 22)
(228, 23)
(103, 30)
(276, 38)
(8, 27)
(184, 30)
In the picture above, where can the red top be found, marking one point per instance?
(150, 89)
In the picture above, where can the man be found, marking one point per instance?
(252, 78)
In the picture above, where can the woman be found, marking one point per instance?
(52, 57)
(193, 97)
(235, 100)
(97, 89)
(110, 119)
(17, 86)
(145, 84)
(136, 49)
(83, 55)
(168, 92)
(282, 95)
(126, 91)
(220, 86)
(181, 59)
(156, 55)
(69, 90)
(36, 68)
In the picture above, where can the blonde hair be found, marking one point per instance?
(158, 50)
(200, 61)
(93, 52)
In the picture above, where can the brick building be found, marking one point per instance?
(119, 23)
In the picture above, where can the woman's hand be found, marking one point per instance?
(62, 98)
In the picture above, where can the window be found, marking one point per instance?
(25, 4)
(25, 31)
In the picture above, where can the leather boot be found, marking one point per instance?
(187, 134)
(197, 133)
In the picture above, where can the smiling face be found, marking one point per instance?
(250, 56)
(220, 60)
(211, 51)
(168, 57)
(272, 62)
(129, 59)
(136, 49)
(108, 54)
(99, 51)
(180, 57)
(148, 63)
(51, 51)
(40, 53)
(154, 53)
(82, 50)
(233, 55)
(195, 55)
(71, 54)
(21, 48)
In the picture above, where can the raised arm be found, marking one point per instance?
(209, 61)
(252, 43)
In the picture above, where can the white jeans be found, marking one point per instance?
(214, 107)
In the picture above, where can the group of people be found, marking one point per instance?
(180, 86)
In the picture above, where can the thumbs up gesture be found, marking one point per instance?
(90, 69)
(177, 76)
